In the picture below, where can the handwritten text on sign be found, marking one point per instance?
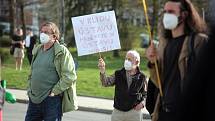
(96, 33)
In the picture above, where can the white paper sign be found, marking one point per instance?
(96, 33)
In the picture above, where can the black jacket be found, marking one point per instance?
(199, 97)
(125, 99)
(151, 97)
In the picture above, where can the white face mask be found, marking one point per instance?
(44, 38)
(170, 21)
(128, 65)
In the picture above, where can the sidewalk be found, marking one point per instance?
(85, 103)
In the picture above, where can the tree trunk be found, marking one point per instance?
(23, 19)
(155, 17)
(62, 21)
(12, 16)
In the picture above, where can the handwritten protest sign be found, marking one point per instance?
(96, 33)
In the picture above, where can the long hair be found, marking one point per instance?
(193, 21)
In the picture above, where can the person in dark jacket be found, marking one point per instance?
(182, 35)
(129, 88)
(30, 41)
(199, 97)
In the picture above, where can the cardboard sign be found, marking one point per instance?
(96, 33)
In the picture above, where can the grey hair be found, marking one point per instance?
(135, 54)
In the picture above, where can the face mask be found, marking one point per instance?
(170, 21)
(128, 65)
(44, 38)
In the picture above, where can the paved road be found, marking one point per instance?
(16, 112)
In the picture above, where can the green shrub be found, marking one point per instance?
(130, 36)
(70, 39)
(5, 41)
(4, 53)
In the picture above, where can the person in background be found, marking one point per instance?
(182, 36)
(129, 88)
(52, 81)
(30, 41)
(18, 43)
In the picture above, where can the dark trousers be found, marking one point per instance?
(29, 54)
(50, 109)
(168, 116)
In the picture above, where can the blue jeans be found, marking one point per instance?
(50, 109)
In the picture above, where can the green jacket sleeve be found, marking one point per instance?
(66, 70)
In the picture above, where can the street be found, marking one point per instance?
(16, 112)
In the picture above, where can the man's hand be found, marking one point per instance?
(151, 53)
(139, 106)
(101, 65)
(51, 94)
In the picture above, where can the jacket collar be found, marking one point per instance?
(138, 70)
(57, 48)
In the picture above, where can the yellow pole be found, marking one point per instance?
(147, 19)
(151, 42)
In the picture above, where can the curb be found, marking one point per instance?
(145, 116)
(81, 108)
(22, 101)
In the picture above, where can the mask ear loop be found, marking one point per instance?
(55, 38)
(181, 17)
(180, 20)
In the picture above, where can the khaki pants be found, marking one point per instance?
(131, 115)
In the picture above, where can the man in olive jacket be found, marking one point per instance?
(52, 82)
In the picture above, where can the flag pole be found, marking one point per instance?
(151, 42)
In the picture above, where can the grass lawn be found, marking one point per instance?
(88, 82)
